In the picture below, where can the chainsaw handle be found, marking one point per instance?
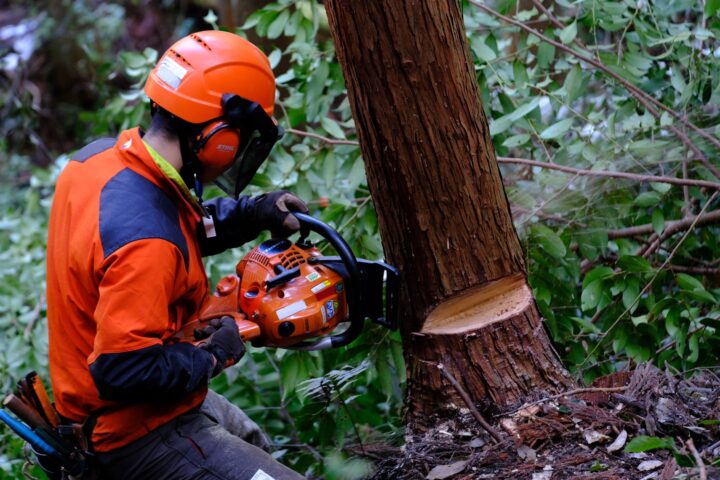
(347, 256)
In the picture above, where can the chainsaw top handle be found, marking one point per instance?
(309, 223)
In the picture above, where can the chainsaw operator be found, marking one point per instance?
(124, 269)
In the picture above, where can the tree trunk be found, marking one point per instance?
(442, 210)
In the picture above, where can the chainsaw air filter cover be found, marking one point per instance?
(290, 298)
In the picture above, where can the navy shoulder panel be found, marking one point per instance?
(133, 208)
(93, 149)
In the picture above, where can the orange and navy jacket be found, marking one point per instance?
(124, 273)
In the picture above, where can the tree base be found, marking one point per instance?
(492, 341)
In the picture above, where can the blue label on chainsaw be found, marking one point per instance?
(330, 307)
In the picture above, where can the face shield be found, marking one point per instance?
(259, 134)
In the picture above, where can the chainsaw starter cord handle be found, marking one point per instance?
(351, 265)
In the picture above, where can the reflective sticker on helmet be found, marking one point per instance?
(171, 72)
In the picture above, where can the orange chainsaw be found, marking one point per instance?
(289, 295)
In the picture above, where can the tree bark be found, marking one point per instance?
(442, 211)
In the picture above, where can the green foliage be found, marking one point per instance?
(606, 302)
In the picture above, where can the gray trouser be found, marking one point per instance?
(209, 444)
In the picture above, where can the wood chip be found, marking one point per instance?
(441, 472)
(527, 453)
(618, 443)
(593, 436)
(648, 465)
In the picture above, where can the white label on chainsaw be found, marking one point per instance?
(171, 72)
(291, 309)
(320, 286)
(260, 475)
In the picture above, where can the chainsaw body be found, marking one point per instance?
(283, 293)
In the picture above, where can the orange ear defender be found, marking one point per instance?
(216, 147)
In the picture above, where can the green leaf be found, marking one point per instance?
(632, 263)
(483, 52)
(557, 130)
(658, 221)
(711, 7)
(549, 241)
(643, 443)
(546, 54)
(647, 199)
(689, 283)
(573, 82)
(332, 127)
(597, 273)
(568, 33)
(501, 124)
(289, 371)
(516, 140)
(278, 25)
(591, 295)
(632, 290)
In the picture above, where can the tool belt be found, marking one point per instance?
(61, 447)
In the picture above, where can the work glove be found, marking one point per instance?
(237, 221)
(224, 342)
(273, 212)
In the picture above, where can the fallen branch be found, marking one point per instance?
(639, 95)
(698, 459)
(466, 398)
(570, 393)
(605, 173)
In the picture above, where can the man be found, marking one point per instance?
(124, 268)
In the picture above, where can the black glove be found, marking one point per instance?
(242, 220)
(224, 342)
(272, 212)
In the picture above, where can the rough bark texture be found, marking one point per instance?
(442, 210)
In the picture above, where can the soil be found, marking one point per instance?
(583, 434)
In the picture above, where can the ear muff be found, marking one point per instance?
(216, 147)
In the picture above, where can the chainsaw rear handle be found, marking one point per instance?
(347, 256)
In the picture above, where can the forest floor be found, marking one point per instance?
(646, 425)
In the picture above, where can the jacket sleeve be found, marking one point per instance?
(235, 224)
(130, 362)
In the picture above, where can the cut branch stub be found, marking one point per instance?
(491, 339)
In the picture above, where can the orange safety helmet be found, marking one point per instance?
(194, 73)
(197, 78)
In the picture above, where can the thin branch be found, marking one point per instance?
(672, 226)
(605, 173)
(694, 270)
(551, 166)
(466, 398)
(646, 100)
(698, 459)
(570, 393)
(329, 141)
